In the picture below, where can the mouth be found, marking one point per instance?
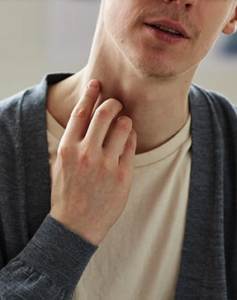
(169, 28)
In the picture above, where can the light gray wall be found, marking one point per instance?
(42, 36)
(22, 49)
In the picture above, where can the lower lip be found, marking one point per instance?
(166, 37)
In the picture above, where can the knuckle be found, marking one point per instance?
(103, 112)
(105, 165)
(109, 108)
(122, 175)
(132, 141)
(63, 151)
(79, 112)
(124, 124)
(131, 145)
(90, 94)
(103, 171)
(85, 158)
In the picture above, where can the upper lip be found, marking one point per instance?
(171, 25)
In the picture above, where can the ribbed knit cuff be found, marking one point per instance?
(58, 252)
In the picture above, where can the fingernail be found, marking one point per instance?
(93, 84)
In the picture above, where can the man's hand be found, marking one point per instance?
(92, 174)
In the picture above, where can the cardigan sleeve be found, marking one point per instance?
(49, 267)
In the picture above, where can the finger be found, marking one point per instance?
(80, 116)
(127, 157)
(118, 137)
(101, 122)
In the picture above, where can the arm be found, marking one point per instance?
(49, 267)
(91, 181)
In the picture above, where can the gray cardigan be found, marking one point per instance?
(41, 259)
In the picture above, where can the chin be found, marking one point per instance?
(154, 69)
(152, 63)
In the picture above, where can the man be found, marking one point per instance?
(165, 218)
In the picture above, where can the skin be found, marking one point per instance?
(92, 178)
(150, 78)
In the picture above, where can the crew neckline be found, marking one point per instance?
(142, 159)
(165, 150)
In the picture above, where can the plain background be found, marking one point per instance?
(45, 36)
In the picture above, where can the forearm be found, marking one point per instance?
(49, 267)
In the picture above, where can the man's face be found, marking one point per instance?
(129, 24)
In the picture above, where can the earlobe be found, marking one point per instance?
(231, 26)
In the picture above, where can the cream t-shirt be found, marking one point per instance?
(140, 257)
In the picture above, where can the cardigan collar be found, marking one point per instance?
(203, 194)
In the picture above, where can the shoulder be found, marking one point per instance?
(10, 119)
(11, 115)
(216, 98)
(9, 106)
(23, 116)
(31, 99)
(27, 108)
(18, 115)
(214, 102)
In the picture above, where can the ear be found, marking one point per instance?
(231, 26)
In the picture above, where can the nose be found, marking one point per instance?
(186, 3)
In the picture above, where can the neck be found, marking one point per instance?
(158, 106)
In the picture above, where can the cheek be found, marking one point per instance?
(114, 20)
(210, 30)
(119, 25)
